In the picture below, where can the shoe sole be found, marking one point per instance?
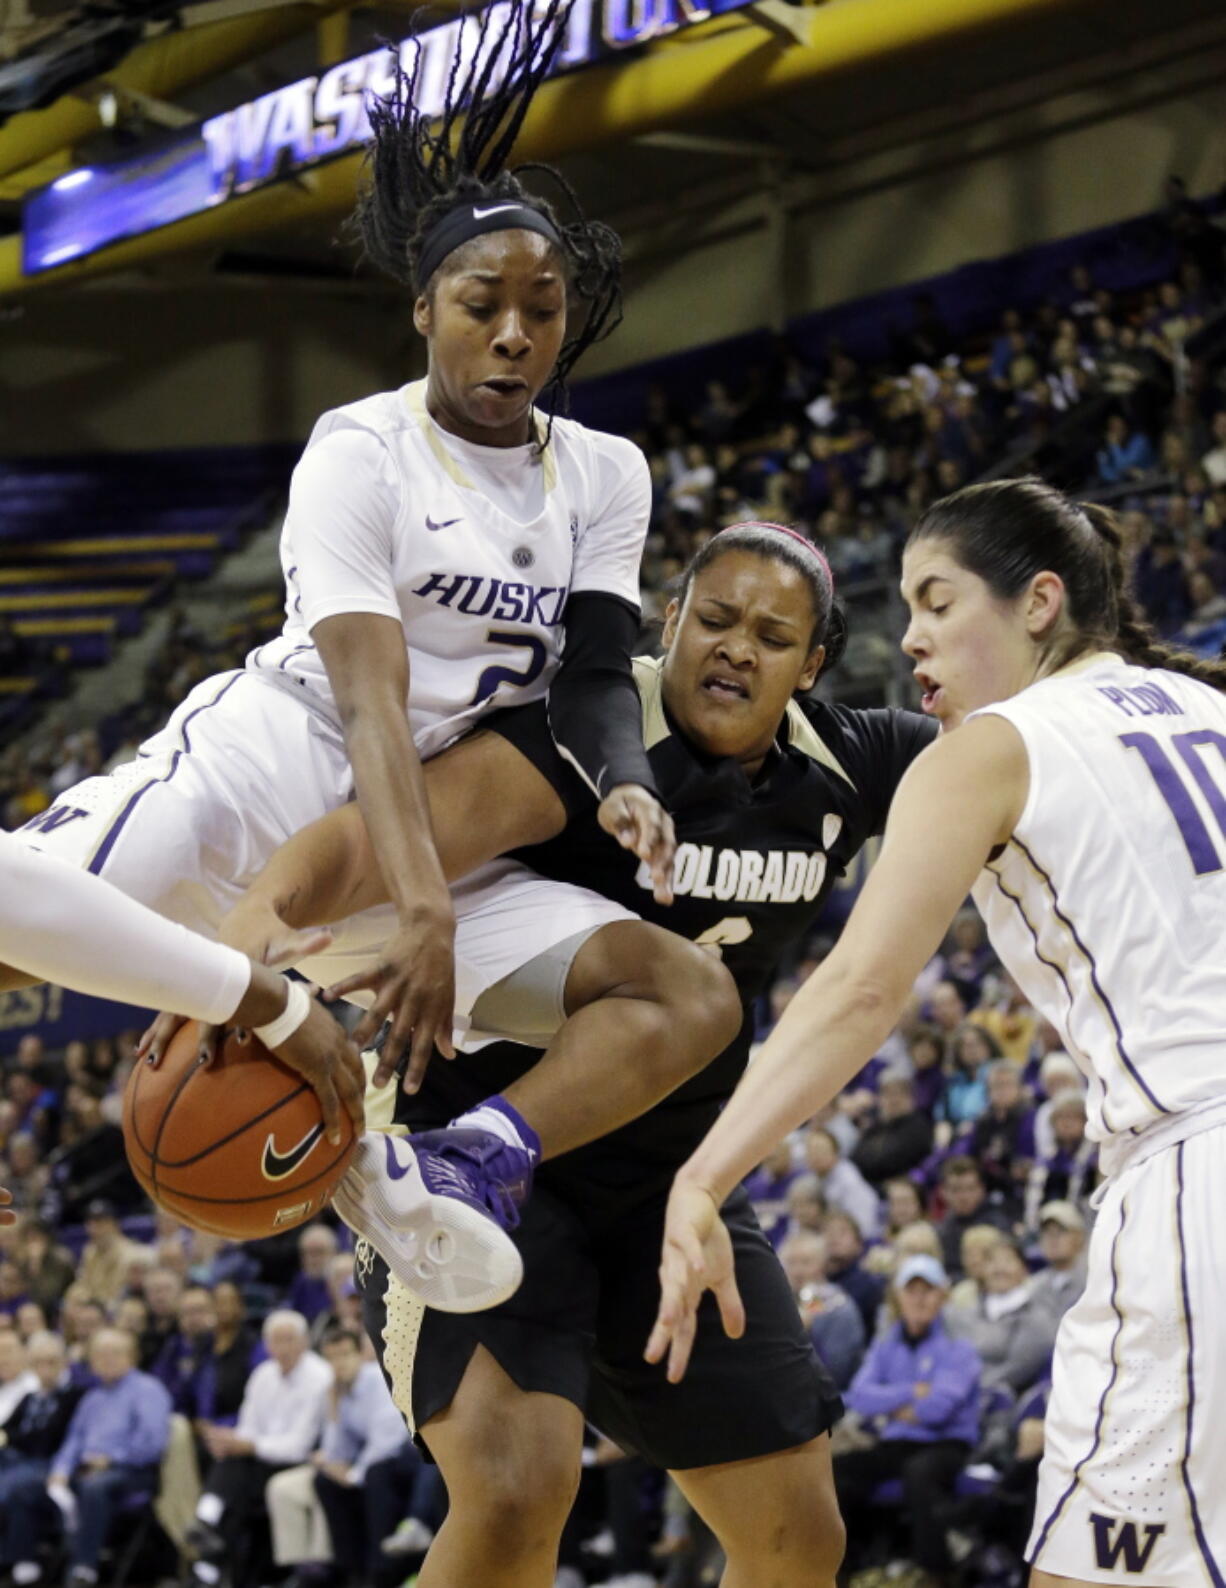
(451, 1256)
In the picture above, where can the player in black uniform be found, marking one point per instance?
(773, 795)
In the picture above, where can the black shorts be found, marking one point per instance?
(577, 1327)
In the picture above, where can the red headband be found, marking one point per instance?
(793, 534)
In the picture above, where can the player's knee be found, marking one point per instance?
(803, 1549)
(702, 1000)
(523, 1496)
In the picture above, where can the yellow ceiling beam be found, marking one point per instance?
(693, 74)
(160, 66)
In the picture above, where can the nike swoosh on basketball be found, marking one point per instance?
(493, 209)
(446, 523)
(276, 1165)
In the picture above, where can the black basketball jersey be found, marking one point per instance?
(756, 860)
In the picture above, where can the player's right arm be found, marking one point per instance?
(64, 925)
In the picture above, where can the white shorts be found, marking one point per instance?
(239, 768)
(1131, 1485)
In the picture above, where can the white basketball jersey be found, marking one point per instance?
(1108, 905)
(473, 549)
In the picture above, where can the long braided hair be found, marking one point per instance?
(1006, 531)
(420, 170)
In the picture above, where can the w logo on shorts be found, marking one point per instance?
(54, 816)
(1122, 1543)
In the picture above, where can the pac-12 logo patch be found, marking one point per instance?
(277, 1165)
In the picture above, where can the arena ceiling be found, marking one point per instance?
(698, 130)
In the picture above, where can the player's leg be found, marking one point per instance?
(511, 1463)
(497, 1399)
(645, 1010)
(746, 1433)
(776, 1517)
(1129, 1485)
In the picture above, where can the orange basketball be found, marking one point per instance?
(236, 1147)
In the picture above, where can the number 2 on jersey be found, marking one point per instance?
(499, 673)
(1172, 785)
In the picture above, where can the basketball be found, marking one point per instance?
(236, 1147)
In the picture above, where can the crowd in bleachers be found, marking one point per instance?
(932, 1223)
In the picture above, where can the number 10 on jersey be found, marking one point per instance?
(1172, 785)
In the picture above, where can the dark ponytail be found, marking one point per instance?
(1007, 531)
(1136, 639)
(778, 543)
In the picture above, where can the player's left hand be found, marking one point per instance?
(7, 1216)
(635, 817)
(697, 1256)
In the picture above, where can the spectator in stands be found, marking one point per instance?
(16, 1375)
(34, 1430)
(108, 1254)
(806, 1205)
(24, 1173)
(95, 1166)
(1125, 454)
(970, 956)
(1013, 1327)
(35, 1108)
(309, 1293)
(1214, 461)
(832, 1317)
(926, 1050)
(919, 1388)
(344, 1310)
(360, 1477)
(904, 1204)
(278, 1427)
(1070, 1173)
(161, 1289)
(111, 1452)
(977, 1246)
(901, 1136)
(947, 1010)
(1062, 1242)
(181, 1362)
(1005, 1014)
(842, 1184)
(768, 1188)
(29, 1319)
(223, 1380)
(964, 1096)
(1057, 1073)
(966, 1197)
(1002, 1138)
(845, 1266)
(1161, 582)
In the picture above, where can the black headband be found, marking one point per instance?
(461, 225)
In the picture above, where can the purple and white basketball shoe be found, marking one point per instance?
(437, 1207)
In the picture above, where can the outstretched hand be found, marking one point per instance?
(697, 1256)
(635, 817)
(414, 987)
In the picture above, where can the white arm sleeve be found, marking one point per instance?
(74, 929)
(344, 500)
(610, 549)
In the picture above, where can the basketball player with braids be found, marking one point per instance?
(773, 794)
(448, 550)
(1079, 792)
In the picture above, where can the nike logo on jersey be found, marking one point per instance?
(446, 523)
(492, 209)
(277, 1165)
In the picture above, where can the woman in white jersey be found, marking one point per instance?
(1083, 802)
(443, 543)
